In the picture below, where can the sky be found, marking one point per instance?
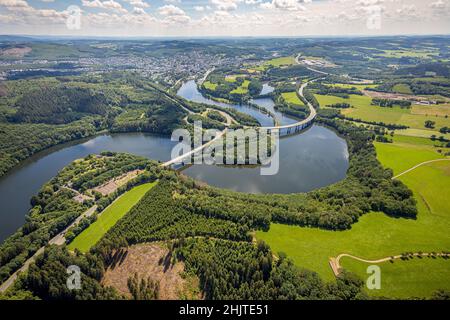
(209, 18)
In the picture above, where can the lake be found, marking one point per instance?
(312, 159)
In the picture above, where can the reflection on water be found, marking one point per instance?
(24, 181)
(313, 159)
(189, 91)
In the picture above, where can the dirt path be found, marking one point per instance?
(336, 266)
(419, 165)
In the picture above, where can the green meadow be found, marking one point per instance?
(209, 85)
(402, 88)
(363, 109)
(243, 88)
(282, 61)
(357, 86)
(376, 235)
(109, 217)
(413, 53)
(292, 97)
(417, 277)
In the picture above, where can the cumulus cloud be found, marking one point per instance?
(170, 10)
(108, 5)
(173, 14)
(137, 10)
(289, 5)
(15, 4)
(226, 5)
(236, 17)
(138, 3)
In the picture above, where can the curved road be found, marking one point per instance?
(59, 239)
(419, 165)
(301, 124)
(336, 266)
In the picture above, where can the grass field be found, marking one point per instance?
(233, 77)
(357, 86)
(400, 282)
(209, 85)
(282, 61)
(242, 89)
(433, 110)
(291, 97)
(377, 236)
(409, 53)
(402, 88)
(364, 110)
(109, 217)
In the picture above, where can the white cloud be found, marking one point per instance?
(173, 14)
(137, 10)
(232, 17)
(170, 10)
(15, 4)
(138, 3)
(226, 5)
(288, 5)
(108, 5)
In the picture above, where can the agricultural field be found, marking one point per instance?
(409, 53)
(402, 88)
(278, 62)
(377, 236)
(417, 277)
(108, 218)
(357, 86)
(209, 85)
(292, 97)
(414, 118)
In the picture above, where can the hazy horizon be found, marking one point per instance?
(224, 18)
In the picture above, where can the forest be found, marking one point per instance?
(54, 207)
(71, 108)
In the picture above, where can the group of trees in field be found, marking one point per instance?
(430, 124)
(342, 105)
(389, 126)
(391, 103)
(340, 92)
(286, 73)
(216, 115)
(444, 130)
(207, 122)
(418, 86)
